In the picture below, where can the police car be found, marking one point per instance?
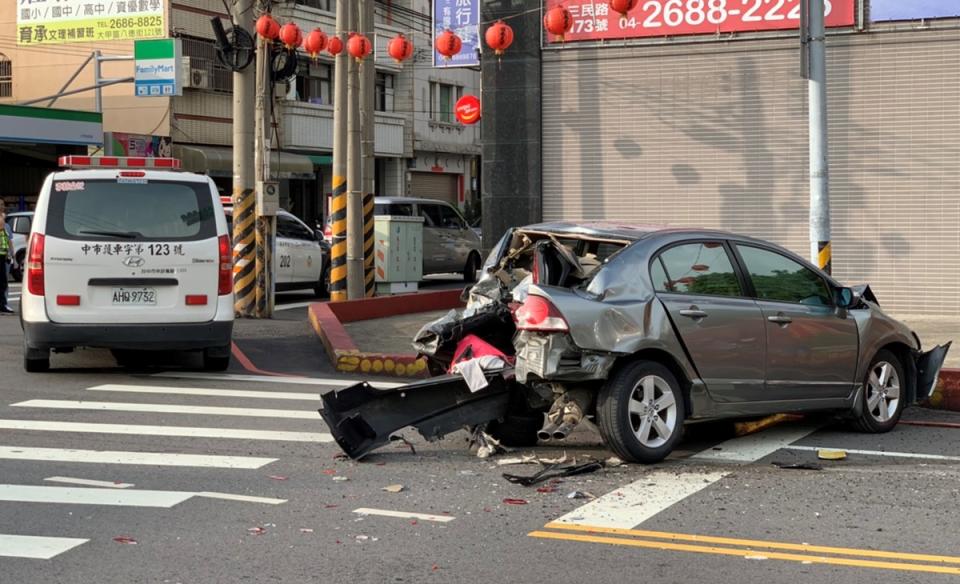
(127, 253)
(301, 256)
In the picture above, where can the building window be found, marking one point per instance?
(6, 76)
(206, 72)
(442, 98)
(315, 83)
(327, 5)
(384, 92)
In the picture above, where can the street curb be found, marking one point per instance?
(946, 395)
(328, 318)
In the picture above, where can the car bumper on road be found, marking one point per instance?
(158, 337)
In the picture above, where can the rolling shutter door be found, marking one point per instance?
(715, 135)
(434, 185)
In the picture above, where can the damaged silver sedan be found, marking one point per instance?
(643, 329)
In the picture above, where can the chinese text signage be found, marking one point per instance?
(593, 19)
(463, 18)
(45, 22)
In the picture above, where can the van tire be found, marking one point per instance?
(36, 360)
(216, 359)
(470, 270)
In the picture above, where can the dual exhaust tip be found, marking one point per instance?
(553, 431)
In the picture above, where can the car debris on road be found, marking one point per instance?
(642, 329)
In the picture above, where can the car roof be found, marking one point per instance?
(416, 200)
(630, 231)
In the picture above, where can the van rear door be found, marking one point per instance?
(141, 250)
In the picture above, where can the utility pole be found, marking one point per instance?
(354, 177)
(368, 79)
(244, 199)
(265, 219)
(338, 203)
(814, 69)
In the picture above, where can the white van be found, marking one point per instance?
(126, 253)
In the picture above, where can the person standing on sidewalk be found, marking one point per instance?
(6, 256)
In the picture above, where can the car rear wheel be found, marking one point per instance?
(36, 360)
(216, 359)
(640, 412)
(882, 400)
(470, 270)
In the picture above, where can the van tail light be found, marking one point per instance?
(196, 300)
(539, 314)
(225, 285)
(35, 265)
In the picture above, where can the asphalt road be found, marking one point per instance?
(218, 484)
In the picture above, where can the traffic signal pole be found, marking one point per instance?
(244, 197)
(812, 36)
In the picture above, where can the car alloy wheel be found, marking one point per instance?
(883, 391)
(653, 411)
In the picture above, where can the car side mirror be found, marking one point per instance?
(847, 298)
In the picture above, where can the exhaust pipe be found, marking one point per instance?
(548, 431)
(563, 430)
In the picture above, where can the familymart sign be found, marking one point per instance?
(155, 68)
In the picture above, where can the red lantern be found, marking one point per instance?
(558, 21)
(449, 44)
(499, 37)
(290, 35)
(268, 28)
(622, 6)
(358, 46)
(467, 110)
(315, 42)
(400, 48)
(334, 46)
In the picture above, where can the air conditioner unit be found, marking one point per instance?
(199, 79)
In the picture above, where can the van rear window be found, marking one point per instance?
(110, 210)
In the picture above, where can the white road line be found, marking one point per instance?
(239, 434)
(879, 453)
(89, 482)
(633, 504)
(292, 306)
(244, 498)
(403, 515)
(755, 446)
(91, 496)
(325, 381)
(167, 409)
(120, 457)
(35, 547)
(206, 391)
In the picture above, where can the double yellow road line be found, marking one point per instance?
(750, 548)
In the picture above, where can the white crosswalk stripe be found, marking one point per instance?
(221, 401)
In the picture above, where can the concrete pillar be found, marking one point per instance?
(510, 170)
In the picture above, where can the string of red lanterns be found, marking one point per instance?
(359, 46)
(400, 48)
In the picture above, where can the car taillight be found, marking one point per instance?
(328, 232)
(225, 285)
(35, 265)
(538, 314)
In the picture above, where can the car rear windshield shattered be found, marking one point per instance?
(521, 259)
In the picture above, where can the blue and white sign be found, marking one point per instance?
(881, 10)
(156, 68)
(463, 18)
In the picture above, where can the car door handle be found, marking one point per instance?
(780, 319)
(694, 313)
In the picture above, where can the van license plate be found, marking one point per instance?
(137, 296)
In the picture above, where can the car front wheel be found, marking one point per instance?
(640, 412)
(882, 399)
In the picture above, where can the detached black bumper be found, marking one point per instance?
(362, 418)
(155, 337)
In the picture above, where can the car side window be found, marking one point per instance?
(449, 218)
(696, 268)
(780, 279)
(431, 215)
(300, 231)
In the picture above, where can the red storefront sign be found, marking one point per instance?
(594, 20)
